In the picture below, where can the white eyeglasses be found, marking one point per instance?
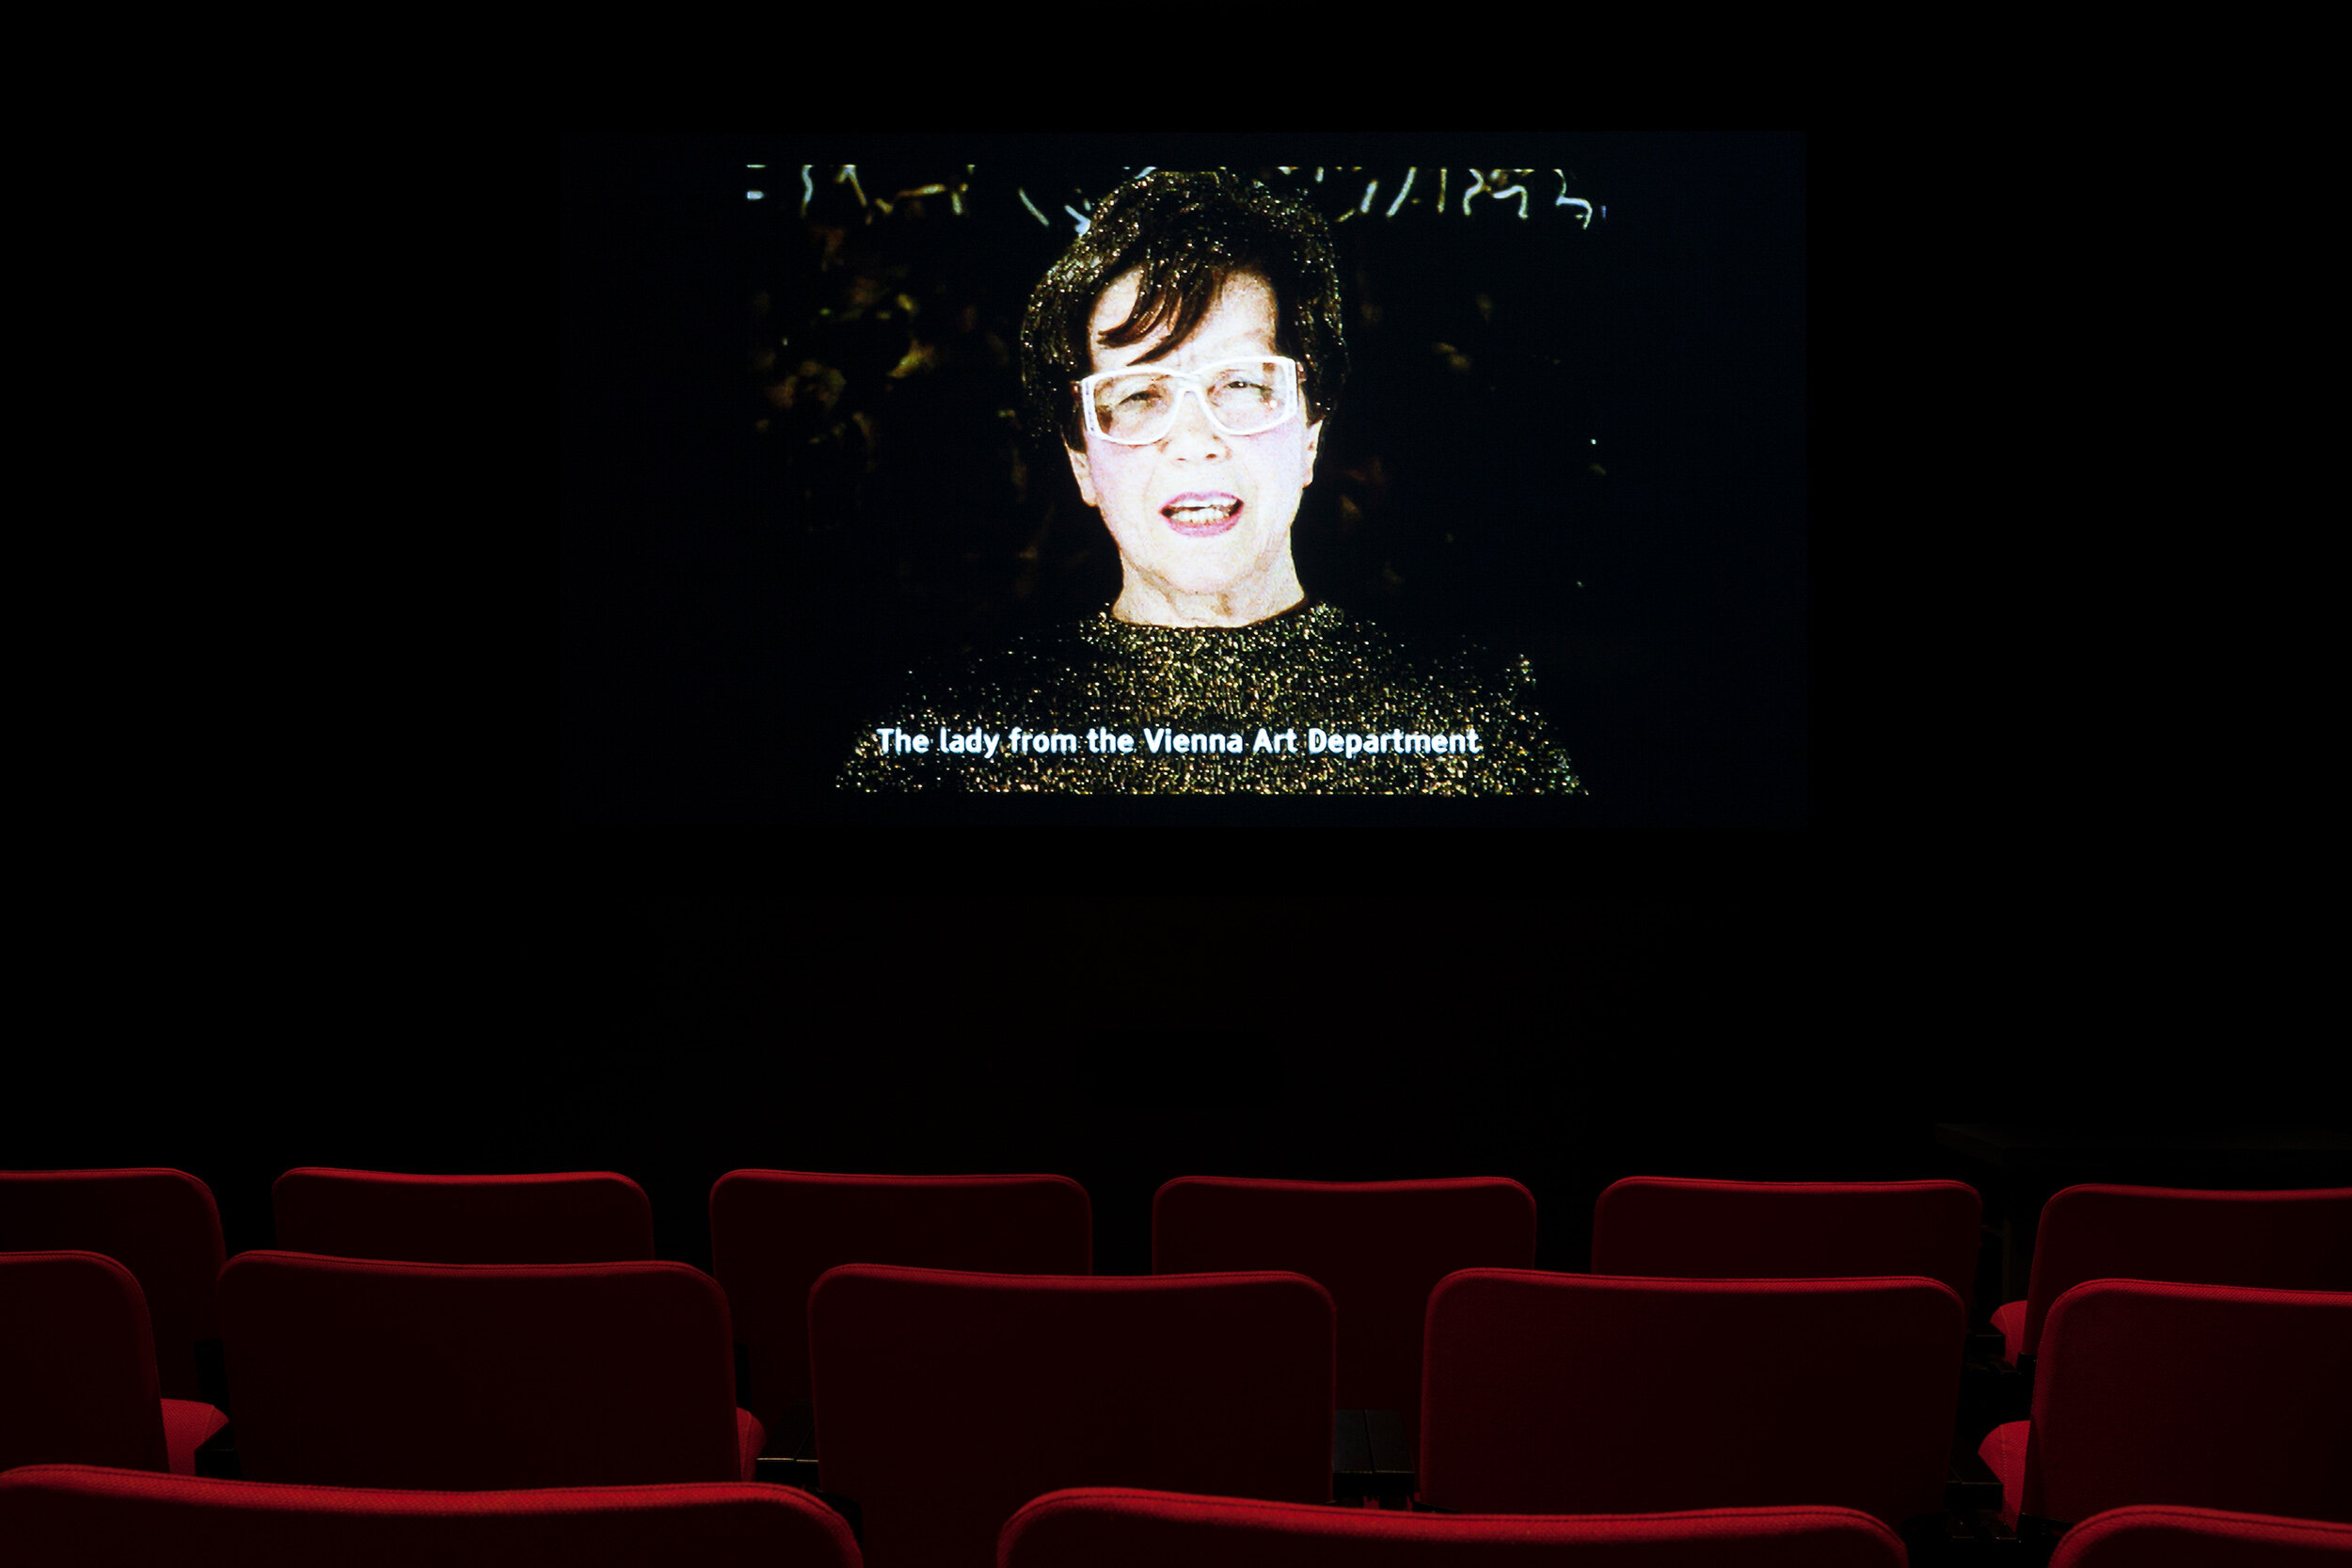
(1138, 405)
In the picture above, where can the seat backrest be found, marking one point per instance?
(946, 1401)
(161, 1224)
(1700, 1230)
(77, 1368)
(1086, 1527)
(2279, 1241)
(363, 1372)
(2156, 1536)
(772, 1233)
(1379, 1247)
(2212, 1396)
(1584, 1393)
(82, 1516)
(566, 1217)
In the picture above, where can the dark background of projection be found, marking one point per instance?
(782, 487)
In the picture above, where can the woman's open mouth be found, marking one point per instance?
(1199, 514)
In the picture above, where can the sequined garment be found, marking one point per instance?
(1314, 701)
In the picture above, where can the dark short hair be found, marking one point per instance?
(1186, 234)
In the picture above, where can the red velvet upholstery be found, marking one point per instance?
(1094, 1526)
(187, 1425)
(573, 1217)
(362, 1372)
(2212, 1396)
(1379, 1247)
(2156, 1536)
(1553, 1393)
(772, 1233)
(161, 1224)
(2010, 1319)
(77, 1370)
(79, 1516)
(2003, 1451)
(1693, 1230)
(946, 1401)
(2277, 1241)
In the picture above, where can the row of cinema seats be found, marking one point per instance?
(82, 1516)
(1680, 1374)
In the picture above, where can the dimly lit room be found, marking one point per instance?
(1245, 874)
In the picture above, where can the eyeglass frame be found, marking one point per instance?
(1194, 384)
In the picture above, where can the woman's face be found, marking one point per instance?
(1203, 519)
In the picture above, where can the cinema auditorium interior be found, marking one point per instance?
(696, 1239)
(1790, 1148)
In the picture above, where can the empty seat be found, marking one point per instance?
(772, 1233)
(79, 1516)
(1379, 1247)
(1580, 1393)
(161, 1224)
(363, 1372)
(77, 1371)
(2155, 1536)
(945, 1401)
(2280, 1241)
(1701, 1229)
(568, 1217)
(2212, 1396)
(1087, 1527)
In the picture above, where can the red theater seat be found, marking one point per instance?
(161, 1224)
(772, 1233)
(570, 1217)
(2277, 1241)
(2211, 1396)
(1549, 1393)
(1093, 1526)
(1695, 1229)
(363, 1373)
(2160, 1536)
(1379, 1247)
(79, 1516)
(77, 1371)
(945, 1401)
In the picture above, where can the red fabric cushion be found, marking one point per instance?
(77, 1371)
(1583, 1393)
(82, 1516)
(1090, 1527)
(351, 1372)
(750, 1438)
(1698, 1229)
(2156, 1536)
(1379, 1247)
(161, 1224)
(772, 1233)
(569, 1217)
(2003, 1451)
(2284, 1240)
(187, 1423)
(2205, 1395)
(946, 1401)
(2010, 1318)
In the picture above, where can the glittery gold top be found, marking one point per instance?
(1314, 701)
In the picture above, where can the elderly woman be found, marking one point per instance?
(1187, 349)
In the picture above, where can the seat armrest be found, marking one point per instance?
(1371, 1458)
(216, 1456)
(1970, 1484)
(791, 1458)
